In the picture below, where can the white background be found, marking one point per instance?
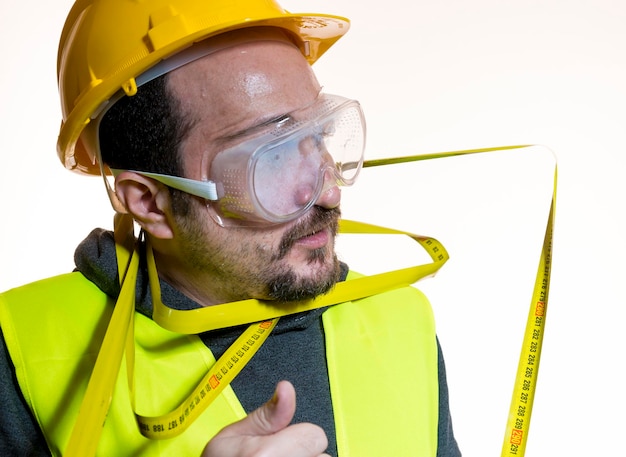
(431, 76)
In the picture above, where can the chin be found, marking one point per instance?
(313, 260)
(306, 280)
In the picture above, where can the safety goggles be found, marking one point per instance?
(279, 174)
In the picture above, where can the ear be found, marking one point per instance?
(147, 201)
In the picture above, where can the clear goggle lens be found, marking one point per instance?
(279, 175)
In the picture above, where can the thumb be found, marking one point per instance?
(272, 417)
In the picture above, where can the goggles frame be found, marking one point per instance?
(232, 194)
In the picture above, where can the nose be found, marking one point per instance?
(330, 197)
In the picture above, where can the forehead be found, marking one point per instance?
(244, 82)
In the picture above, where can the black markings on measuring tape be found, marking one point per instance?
(166, 424)
(434, 248)
(531, 362)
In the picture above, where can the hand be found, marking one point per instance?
(266, 432)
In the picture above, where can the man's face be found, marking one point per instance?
(225, 95)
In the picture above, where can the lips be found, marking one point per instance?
(312, 233)
(315, 240)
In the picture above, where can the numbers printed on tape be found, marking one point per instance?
(525, 383)
(218, 377)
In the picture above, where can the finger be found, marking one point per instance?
(266, 431)
(270, 418)
(299, 440)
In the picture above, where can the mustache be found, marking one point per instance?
(317, 219)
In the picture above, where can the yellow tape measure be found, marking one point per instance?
(246, 311)
(119, 338)
(520, 411)
(88, 427)
(219, 376)
(242, 312)
(518, 424)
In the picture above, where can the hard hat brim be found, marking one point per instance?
(314, 35)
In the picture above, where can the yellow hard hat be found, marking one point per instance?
(107, 44)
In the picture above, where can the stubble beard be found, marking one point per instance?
(285, 285)
(275, 280)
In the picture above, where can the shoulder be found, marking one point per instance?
(65, 304)
(51, 287)
(67, 288)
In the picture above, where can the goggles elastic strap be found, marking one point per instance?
(204, 189)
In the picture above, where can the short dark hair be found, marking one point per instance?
(144, 133)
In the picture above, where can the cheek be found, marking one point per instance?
(266, 242)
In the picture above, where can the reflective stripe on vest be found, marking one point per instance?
(385, 395)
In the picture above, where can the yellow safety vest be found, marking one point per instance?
(381, 355)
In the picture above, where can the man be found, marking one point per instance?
(224, 97)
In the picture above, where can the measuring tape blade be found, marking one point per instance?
(245, 311)
(119, 336)
(97, 400)
(214, 382)
(520, 411)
